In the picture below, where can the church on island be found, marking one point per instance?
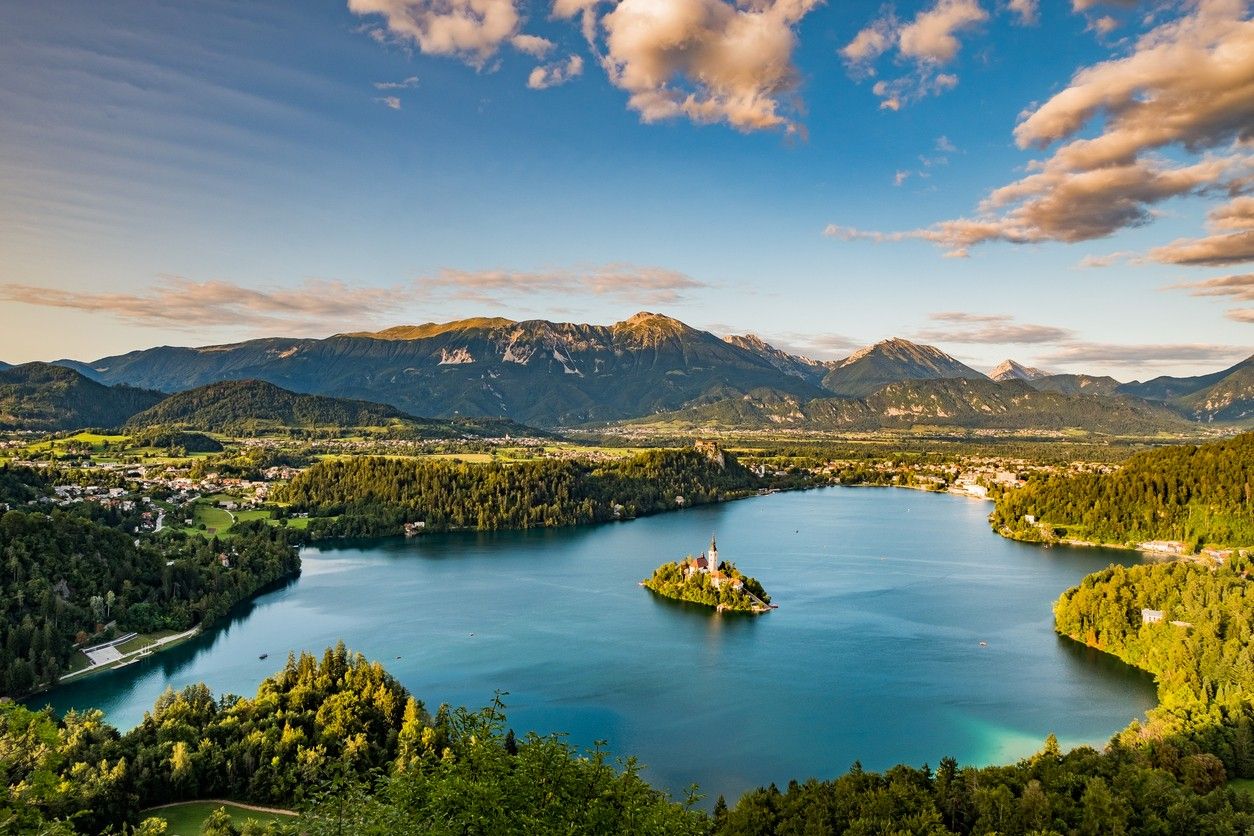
(709, 564)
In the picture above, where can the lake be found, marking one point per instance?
(885, 596)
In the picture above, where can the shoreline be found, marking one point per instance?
(151, 649)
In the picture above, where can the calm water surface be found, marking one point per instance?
(874, 654)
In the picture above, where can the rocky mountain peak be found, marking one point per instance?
(1012, 370)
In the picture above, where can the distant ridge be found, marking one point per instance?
(432, 329)
(889, 361)
(954, 402)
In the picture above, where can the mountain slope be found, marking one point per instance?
(1229, 399)
(535, 372)
(40, 396)
(1166, 388)
(247, 406)
(1011, 370)
(790, 364)
(959, 402)
(1076, 384)
(889, 361)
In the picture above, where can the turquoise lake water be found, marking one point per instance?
(874, 653)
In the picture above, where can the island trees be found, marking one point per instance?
(707, 581)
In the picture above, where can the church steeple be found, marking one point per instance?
(712, 555)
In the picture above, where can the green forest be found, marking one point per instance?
(65, 579)
(1200, 495)
(673, 580)
(374, 495)
(337, 736)
(1201, 652)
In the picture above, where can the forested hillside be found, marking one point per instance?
(39, 396)
(246, 406)
(955, 402)
(1201, 652)
(370, 495)
(336, 734)
(63, 577)
(1197, 494)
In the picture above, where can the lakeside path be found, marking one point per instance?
(155, 646)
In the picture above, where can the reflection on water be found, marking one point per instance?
(875, 653)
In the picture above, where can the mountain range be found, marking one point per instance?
(555, 374)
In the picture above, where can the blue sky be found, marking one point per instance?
(202, 173)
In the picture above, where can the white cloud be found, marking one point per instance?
(472, 30)
(324, 306)
(1140, 356)
(404, 84)
(552, 75)
(532, 45)
(870, 43)
(991, 329)
(630, 282)
(390, 102)
(930, 36)
(1104, 25)
(1238, 286)
(1231, 240)
(1027, 10)
(707, 60)
(928, 42)
(176, 302)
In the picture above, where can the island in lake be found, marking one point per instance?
(708, 581)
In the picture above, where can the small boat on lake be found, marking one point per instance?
(264, 656)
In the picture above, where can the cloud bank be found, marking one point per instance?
(176, 302)
(1187, 84)
(322, 306)
(990, 329)
(628, 282)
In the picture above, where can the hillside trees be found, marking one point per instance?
(1200, 494)
(372, 495)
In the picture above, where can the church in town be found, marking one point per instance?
(708, 563)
